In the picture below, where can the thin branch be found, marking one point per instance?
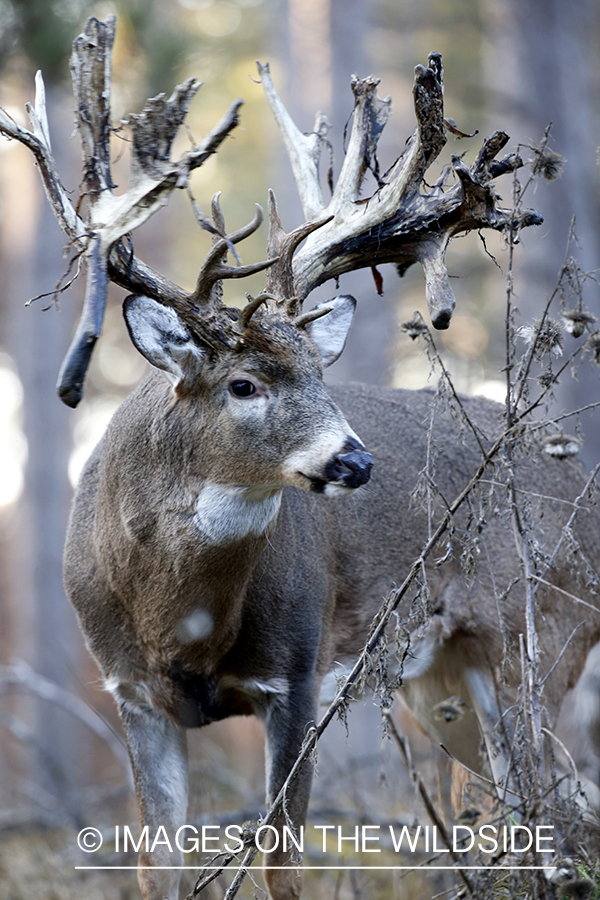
(21, 676)
(437, 359)
(478, 775)
(577, 504)
(563, 651)
(417, 778)
(564, 750)
(565, 593)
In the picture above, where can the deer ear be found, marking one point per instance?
(157, 332)
(329, 332)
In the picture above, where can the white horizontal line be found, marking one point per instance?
(423, 868)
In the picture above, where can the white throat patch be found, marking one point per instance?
(225, 514)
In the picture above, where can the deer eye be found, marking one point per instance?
(242, 388)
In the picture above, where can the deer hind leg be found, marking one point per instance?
(456, 704)
(495, 730)
(158, 750)
(286, 723)
(579, 727)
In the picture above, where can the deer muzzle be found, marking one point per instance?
(351, 468)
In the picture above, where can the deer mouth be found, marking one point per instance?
(317, 485)
(330, 489)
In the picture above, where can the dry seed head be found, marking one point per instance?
(576, 320)
(547, 335)
(547, 163)
(547, 379)
(561, 446)
(449, 710)
(415, 327)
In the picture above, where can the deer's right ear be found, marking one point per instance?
(157, 332)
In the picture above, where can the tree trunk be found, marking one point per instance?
(41, 624)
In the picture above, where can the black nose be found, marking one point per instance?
(352, 467)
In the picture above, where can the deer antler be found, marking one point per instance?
(404, 221)
(214, 269)
(281, 248)
(153, 176)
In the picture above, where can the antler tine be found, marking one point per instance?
(217, 213)
(215, 289)
(303, 149)
(282, 246)
(312, 315)
(253, 304)
(214, 269)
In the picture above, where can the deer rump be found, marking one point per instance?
(305, 608)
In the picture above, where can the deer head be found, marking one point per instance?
(254, 376)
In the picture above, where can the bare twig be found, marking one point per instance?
(403, 746)
(20, 676)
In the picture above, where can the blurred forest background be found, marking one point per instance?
(515, 65)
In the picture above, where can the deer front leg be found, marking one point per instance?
(286, 723)
(158, 750)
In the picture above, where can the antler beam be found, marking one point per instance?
(404, 221)
(153, 176)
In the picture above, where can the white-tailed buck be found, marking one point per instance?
(229, 545)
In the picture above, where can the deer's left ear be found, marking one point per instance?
(329, 331)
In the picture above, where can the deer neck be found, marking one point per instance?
(227, 514)
(232, 525)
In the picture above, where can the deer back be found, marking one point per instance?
(424, 456)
